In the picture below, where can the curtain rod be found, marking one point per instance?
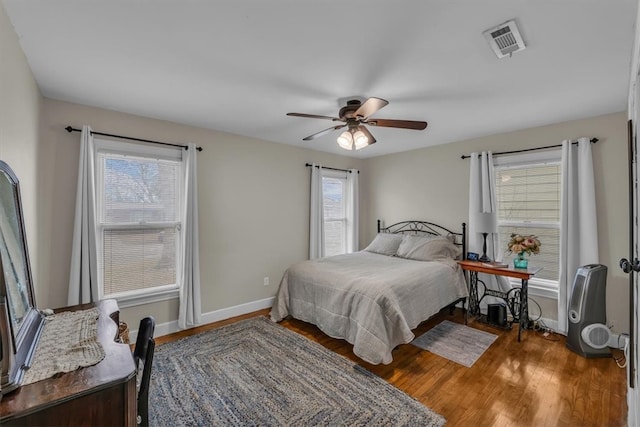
(186, 147)
(593, 141)
(333, 169)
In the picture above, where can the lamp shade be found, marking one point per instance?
(345, 140)
(486, 222)
(360, 139)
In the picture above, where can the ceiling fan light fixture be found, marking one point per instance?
(355, 116)
(345, 140)
(360, 139)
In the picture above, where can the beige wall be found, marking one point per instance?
(253, 198)
(19, 115)
(432, 184)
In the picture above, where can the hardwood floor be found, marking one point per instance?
(537, 382)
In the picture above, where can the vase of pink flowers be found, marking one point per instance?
(522, 246)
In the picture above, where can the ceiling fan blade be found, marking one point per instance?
(404, 124)
(314, 116)
(322, 132)
(370, 106)
(364, 130)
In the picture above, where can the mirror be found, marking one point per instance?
(12, 254)
(20, 321)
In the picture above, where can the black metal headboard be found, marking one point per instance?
(416, 227)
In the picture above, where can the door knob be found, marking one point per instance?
(625, 265)
(629, 266)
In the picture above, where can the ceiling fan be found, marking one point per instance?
(354, 116)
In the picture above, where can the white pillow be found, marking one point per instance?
(385, 244)
(427, 248)
(411, 241)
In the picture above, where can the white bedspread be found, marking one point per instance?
(372, 301)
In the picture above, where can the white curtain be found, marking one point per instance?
(352, 210)
(190, 311)
(316, 214)
(578, 227)
(83, 277)
(482, 201)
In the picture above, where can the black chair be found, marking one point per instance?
(143, 359)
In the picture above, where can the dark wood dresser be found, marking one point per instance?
(99, 395)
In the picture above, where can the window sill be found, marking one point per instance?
(125, 301)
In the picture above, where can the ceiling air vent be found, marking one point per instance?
(505, 39)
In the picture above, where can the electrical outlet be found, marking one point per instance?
(266, 281)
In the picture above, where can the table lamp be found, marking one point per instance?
(486, 224)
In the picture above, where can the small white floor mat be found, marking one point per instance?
(459, 343)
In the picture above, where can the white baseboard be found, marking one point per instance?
(210, 317)
(552, 324)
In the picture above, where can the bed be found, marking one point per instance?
(374, 298)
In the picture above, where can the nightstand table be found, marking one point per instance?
(524, 274)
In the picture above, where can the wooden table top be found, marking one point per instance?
(509, 271)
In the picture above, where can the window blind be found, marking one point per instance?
(139, 219)
(136, 259)
(335, 222)
(528, 201)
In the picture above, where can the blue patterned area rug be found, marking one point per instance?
(257, 373)
(459, 343)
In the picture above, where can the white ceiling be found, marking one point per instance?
(240, 65)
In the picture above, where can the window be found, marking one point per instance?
(334, 184)
(528, 201)
(139, 201)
